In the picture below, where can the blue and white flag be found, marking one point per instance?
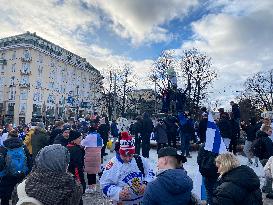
(214, 141)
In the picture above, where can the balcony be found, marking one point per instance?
(25, 72)
(26, 59)
(24, 85)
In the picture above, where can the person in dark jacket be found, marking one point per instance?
(250, 130)
(225, 128)
(137, 130)
(62, 138)
(236, 116)
(146, 130)
(237, 185)
(56, 130)
(8, 182)
(103, 130)
(172, 186)
(186, 132)
(208, 169)
(160, 134)
(235, 129)
(114, 133)
(39, 140)
(202, 128)
(263, 146)
(171, 128)
(76, 164)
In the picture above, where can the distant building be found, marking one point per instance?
(42, 81)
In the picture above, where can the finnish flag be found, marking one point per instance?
(214, 143)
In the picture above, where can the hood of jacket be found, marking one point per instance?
(244, 177)
(13, 142)
(175, 181)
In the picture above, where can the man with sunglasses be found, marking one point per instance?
(125, 176)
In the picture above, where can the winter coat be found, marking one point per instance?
(54, 134)
(114, 129)
(225, 128)
(236, 111)
(250, 131)
(7, 183)
(27, 140)
(137, 127)
(147, 126)
(187, 127)
(206, 162)
(172, 128)
(202, 128)
(160, 133)
(118, 175)
(92, 158)
(39, 140)
(76, 163)
(103, 130)
(59, 139)
(263, 146)
(239, 186)
(172, 187)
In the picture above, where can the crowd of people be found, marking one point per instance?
(57, 165)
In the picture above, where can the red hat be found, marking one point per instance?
(127, 144)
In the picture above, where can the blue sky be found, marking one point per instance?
(237, 34)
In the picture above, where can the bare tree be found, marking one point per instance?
(259, 89)
(160, 69)
(196, 69)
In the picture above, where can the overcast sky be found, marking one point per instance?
(238, 35)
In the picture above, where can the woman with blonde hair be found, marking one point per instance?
(237, 184)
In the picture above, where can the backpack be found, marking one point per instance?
(16, 162)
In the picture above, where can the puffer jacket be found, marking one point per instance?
(27, 140)
(172, 187)
(239, 186)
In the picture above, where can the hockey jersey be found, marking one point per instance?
(118, 175)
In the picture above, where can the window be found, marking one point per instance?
(24, 80)
(40, 71)
(22, 109)
(26, 68)
(12, 93)
(40, 58)
(37, 97)
(13, 68)
(38, 84)
(23, 95)
(12, 81)
(51, 99)
(26, 54)
(13, 55)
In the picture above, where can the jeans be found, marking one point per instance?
(145, 146)
(185, 143)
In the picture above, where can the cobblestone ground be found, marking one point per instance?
(95, 198)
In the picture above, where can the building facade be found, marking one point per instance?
(40, 81)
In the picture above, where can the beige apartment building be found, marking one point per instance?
(41, 81)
